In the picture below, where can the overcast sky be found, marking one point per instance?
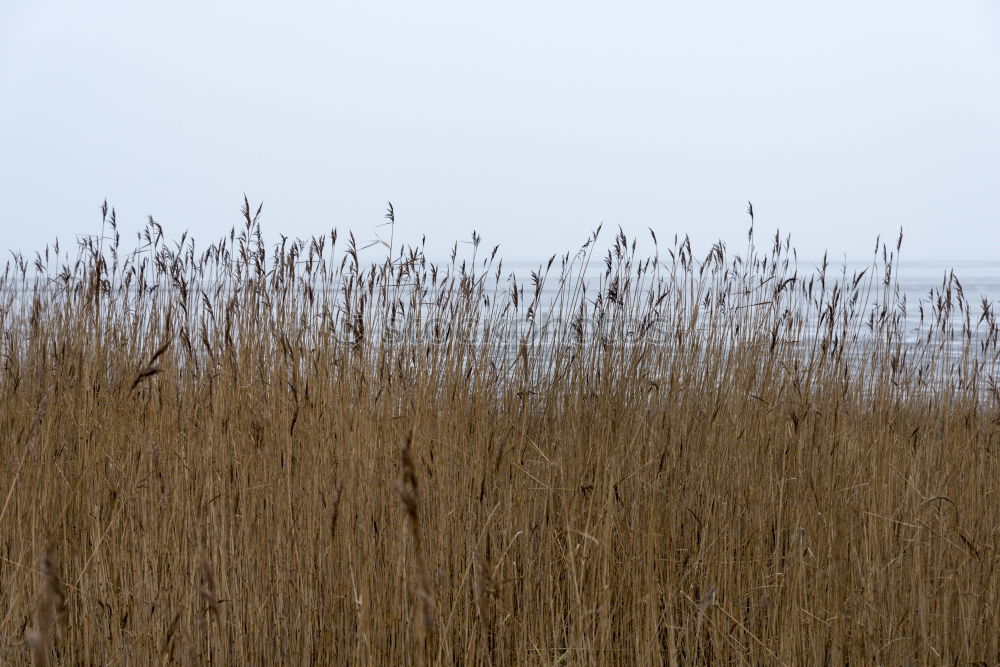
(530, 122)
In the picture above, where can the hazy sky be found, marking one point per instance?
(530, 122)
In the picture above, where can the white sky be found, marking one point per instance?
(530, 122)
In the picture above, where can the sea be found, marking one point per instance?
(979, 280)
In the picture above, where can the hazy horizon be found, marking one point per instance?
(530, 124)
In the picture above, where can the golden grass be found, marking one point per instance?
(247, 455)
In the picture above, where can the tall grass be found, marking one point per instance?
(242, 454)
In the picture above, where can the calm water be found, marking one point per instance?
(979, 280)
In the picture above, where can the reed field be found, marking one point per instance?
(246, 454)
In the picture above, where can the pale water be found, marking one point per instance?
(979, 280)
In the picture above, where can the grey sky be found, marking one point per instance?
(530, 122)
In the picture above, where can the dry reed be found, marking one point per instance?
(669, 459)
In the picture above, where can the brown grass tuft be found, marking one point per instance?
(676, 458)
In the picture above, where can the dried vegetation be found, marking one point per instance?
(241, 454)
